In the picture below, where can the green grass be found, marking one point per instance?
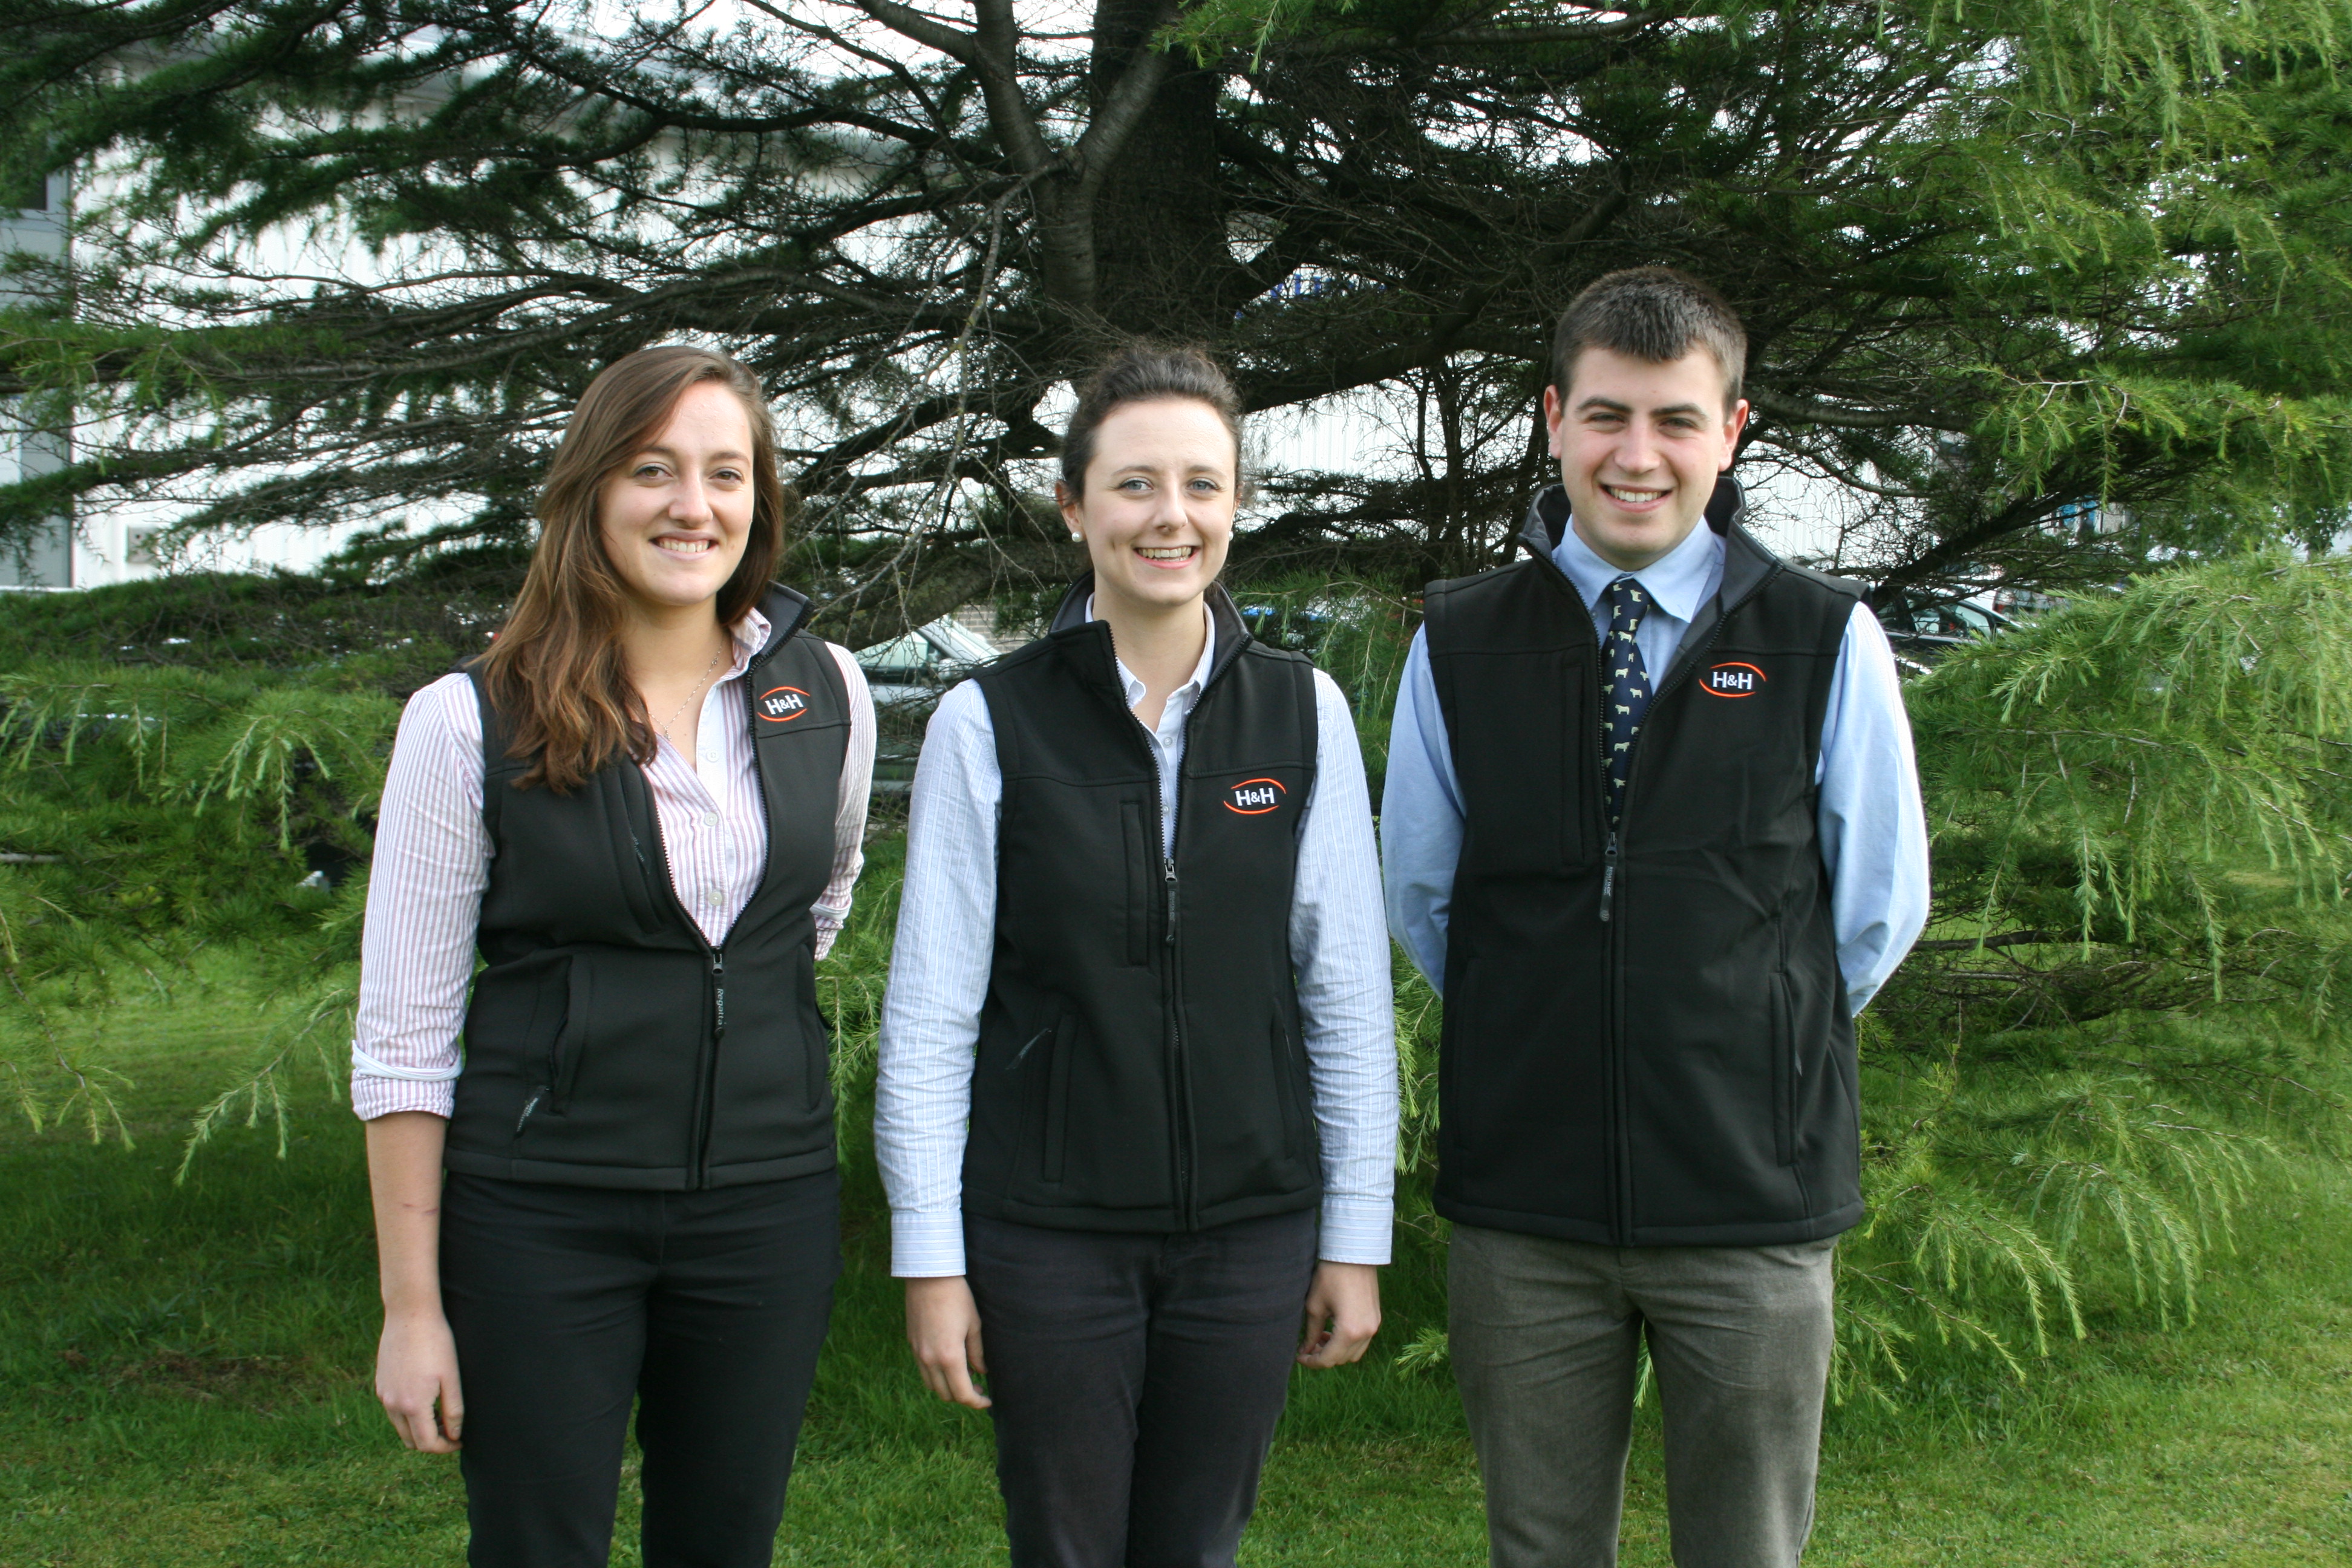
(183, 1380)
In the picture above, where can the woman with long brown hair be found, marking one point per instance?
(642, 808)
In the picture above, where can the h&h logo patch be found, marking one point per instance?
(1255, 797)
(782, 704)
(1732, 680)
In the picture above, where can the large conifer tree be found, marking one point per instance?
(1997, 258)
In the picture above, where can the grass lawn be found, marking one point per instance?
(183, 1380)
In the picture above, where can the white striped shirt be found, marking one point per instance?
(946, 944)
(433, 855)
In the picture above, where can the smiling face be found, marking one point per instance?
(1157, 509)
(675, 515)
(1640, 444)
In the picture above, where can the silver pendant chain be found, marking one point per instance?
(690, 695)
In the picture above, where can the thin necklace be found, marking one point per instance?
(690, 695)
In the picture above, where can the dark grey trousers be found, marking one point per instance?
(1544, 1336)
(1136, 1381)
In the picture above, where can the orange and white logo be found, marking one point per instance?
(782, 704)
(1733, 680)
(1255, 797)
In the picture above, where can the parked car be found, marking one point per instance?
(1922, 630)
(906, 676)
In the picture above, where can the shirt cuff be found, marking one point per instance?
(372, 1097)
(1356, 1230)
(925, 1246)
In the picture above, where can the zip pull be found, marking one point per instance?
(1168, 875)
(1022, 1054)
(524, 1118)
(1609, 875)
(719, 992)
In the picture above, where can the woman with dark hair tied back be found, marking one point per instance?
(642, 808)
(1137, 1114)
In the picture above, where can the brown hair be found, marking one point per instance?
(1652, 313)
(1145, 372)
(555, 674)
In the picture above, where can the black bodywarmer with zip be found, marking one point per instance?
(1140, 1063)
(608, 1043)
(1646, 1036)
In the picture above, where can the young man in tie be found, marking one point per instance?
(1653, 827)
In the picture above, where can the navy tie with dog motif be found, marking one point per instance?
(1627, 687)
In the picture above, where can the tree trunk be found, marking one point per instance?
(1160, 216)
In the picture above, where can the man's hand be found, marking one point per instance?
(1343, 1313)
(943, 1325)
(417, 1378)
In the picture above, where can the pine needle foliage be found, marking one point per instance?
(148, 812)
(2125, 999)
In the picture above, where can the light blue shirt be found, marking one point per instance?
(1873, 835)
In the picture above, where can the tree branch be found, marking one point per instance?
(1123, 108)
(1470, 38)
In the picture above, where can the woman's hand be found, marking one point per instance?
(417, 1378)
(1343, 1313)
(943, 1325)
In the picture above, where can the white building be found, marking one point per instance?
(46, 558)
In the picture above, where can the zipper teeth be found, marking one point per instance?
(1179, 1117)
(707, 1090)
(1676, 674)
(1167, 824)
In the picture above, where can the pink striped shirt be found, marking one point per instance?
(433, 862)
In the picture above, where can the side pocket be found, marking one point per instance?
(1453, 1032)
(1786, 1071)
(568, 1045)
(1297, 1124)
(554, 1004)
(1138, 881)
(1057, 1099)
(816, 1031)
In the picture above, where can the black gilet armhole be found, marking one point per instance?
(494, 749)
(1311, 719)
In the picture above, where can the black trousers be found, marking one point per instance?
(568, 1303)
(1136, 1381)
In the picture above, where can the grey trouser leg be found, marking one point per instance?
(1544, 1334)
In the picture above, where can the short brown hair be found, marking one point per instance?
(1652, 313)
(1146, 372)
(555, 674)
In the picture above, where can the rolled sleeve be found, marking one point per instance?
(425, 895)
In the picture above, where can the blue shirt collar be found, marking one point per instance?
(1679, 582)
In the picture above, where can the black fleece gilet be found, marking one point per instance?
(1646, 1036)
(608, 1043)
(1140, 1063)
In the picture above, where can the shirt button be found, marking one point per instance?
(710, 819)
